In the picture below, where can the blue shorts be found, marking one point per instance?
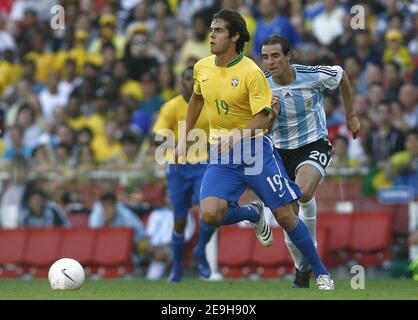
(184, 186)
(271, 183)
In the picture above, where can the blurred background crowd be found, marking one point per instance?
(77, 104)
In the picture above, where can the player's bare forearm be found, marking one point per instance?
(193, 111)
(346, 94)
(260, 121)
(352, 122)
(275, 110)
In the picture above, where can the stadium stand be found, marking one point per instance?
(42, 249)
(235, 250)
(13, 244)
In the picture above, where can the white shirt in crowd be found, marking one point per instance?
(160, 226)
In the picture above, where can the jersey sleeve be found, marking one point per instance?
(330, 77)
(259, 92)
(196, 87)
(165, 119)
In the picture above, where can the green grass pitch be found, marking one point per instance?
(192, 288)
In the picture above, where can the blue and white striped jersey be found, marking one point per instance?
(301, 119)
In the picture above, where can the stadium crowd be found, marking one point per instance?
(84, 98)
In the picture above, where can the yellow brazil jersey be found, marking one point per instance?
(171, 113)
(232, 94)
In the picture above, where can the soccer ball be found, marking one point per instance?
(66, 274)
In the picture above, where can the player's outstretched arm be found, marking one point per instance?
(193, 112)
(352, 122)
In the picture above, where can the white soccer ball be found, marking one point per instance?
(66, 274)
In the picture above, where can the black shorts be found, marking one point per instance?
(317, 153)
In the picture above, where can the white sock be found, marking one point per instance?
(155, 270)
(307, 214)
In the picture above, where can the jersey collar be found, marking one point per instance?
(233, 62)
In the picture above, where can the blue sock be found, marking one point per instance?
(178, 248)
(302, 239)
(235, 214)
(205, 233)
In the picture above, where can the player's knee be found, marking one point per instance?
(211, 216)
(307, 193)
(213, 210)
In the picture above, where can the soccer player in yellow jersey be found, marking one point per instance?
(237, 99)
(184, 182)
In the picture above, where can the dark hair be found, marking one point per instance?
(128, 136)
(27, 106)
(108, 196)
(37, 192)
(235, 24)
(64, 146)
(85, 130)
(190, 67)
(412, 132)
(341, 137)
(276, 39)
(394, 64)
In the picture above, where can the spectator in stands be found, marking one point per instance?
(51, 97)
(84, 136)
(40, 212)
(63, 161)
(99, 113)
(85, 161)
(141, 14)
(138, 58)
(75, 118)
(364, 49)
(108, 211)
(340, 157)
(129, 158)
(17, 146)
(41, 160)
(166, 81)
(164, 18)
(143, 117)
(396, 51)
(341, 44)
(106, 146)
(397, 117)
(271, 22)
(108, 34)
(70, 79)
(408, 97)
(402, 167)
(13, 193)
(393, 80)
(327, 25)
(158, 232)
(384, 140)
(25, 119)
(43, 59)
(197, 45)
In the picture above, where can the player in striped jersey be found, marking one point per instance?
(299, 129)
